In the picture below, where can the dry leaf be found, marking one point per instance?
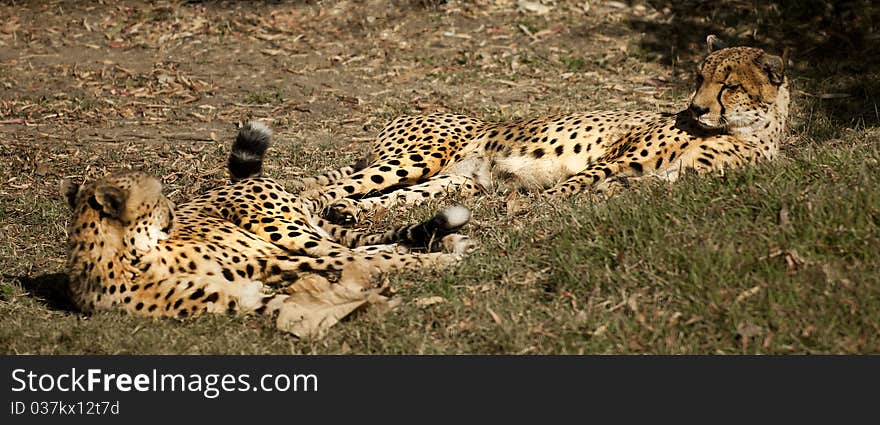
(748, 293)
(516, 204)
(784, 221)
(748, 329)
(533, 7)
(426, 301)
(315, 304)
(494, 315)
(793, 261)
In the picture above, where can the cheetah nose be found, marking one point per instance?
(698, 111)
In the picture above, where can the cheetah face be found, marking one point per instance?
(130, 205)
(736, 87)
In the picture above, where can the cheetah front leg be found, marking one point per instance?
(420, 235)
(349, 211)
(286, 269)
(709, 155)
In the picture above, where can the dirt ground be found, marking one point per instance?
(90, 87)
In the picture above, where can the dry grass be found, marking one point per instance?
(778, 259)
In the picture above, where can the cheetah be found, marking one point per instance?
(233, 249)
(736, 116)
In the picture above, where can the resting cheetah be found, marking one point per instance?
(736, 116)
(227, 250)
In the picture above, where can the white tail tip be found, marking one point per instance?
(456, 216)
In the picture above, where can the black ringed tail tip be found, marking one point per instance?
(248, 150)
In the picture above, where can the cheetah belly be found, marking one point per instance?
(530, 173)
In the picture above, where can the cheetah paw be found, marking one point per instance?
(457, 244)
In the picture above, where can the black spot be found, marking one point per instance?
(310, 244)
(228, 275)
(559, 149)
(577, 148)
(636, 166)
(212, 298)
(197, 294)
(377, 178)
(537, 153)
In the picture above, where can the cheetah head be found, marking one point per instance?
(736, 86)
(125, 208)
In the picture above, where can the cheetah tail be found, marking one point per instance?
(248, 150)
(424, 234)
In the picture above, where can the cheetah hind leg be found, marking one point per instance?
(601, 176)
(347, 211)
(325, 179)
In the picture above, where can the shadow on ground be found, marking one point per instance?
(832, 44)
(49, 289)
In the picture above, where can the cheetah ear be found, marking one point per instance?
(69, 190)
(110, 199)
(714, 43)
(774, 66)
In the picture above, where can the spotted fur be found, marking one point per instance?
(737, 116)
(232, 249)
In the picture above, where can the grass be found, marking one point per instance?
(264, 97)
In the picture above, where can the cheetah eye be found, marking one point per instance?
(170, 223)
(732, 86)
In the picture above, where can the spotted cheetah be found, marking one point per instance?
(232, 249)
(737, 116)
